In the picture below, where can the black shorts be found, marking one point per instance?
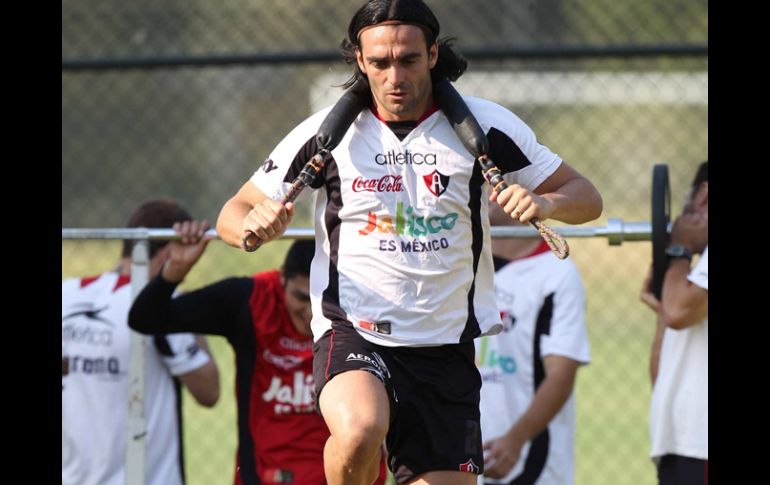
(682, 470)
(434, 398)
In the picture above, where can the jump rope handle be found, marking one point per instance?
(475, 141)
(554, 241)
(251, 242)
(329, 135)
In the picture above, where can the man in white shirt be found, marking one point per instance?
(679, 357)
(528, 371)
(95, 365)
(402, 278)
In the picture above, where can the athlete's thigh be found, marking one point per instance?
(354, 398)
(351, 380)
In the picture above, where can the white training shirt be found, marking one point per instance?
(95, 344)
(402, 233)
(542, 303)
(679, 408)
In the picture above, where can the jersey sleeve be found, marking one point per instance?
(699, 275)
(513, 146)
(180, 352)
(273, 178)
(568, 337)
(216, 309)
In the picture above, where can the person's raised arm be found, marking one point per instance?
(251, 210)
(683, 303)
(213, 309)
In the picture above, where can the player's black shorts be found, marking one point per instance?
(682, 470)
(434, 398)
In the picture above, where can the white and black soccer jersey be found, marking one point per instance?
(95, 381)
(402, 233)
(679, 408)
(542, 305)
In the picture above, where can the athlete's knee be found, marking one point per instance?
(360, 437)
(356, 409)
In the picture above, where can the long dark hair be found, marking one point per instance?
(298, 259)
(450, 65)
(702, 175)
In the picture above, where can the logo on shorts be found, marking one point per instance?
(436, 182)
(469, 467)
(376, 365)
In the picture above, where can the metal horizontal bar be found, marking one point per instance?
(616, 230)
(472, 53)
(158, 234)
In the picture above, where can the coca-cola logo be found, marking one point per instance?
(386, 183)
(283, 361)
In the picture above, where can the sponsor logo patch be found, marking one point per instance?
(269, 165)
(408, 222)
(469, 466)
(291, 398)
(386, 183)
(286, 362)
(405, 158)
(436, 182)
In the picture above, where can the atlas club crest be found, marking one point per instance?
(436, 182)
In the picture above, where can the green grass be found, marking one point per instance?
(612, 392)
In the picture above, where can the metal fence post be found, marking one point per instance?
(136, 429)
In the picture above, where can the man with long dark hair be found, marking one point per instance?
(402, 278)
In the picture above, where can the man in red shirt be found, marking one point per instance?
(266, 318)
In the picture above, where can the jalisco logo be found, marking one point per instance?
(409, 222)
(486, 357)
(406, 158)
(386, 183)
(291, 398)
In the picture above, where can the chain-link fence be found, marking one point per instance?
(187, 98)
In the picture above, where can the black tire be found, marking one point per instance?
(661, 217)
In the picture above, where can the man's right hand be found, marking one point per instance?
(268, 220)
(183, 254)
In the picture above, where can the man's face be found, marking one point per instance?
(297, 290)
(397, 62)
